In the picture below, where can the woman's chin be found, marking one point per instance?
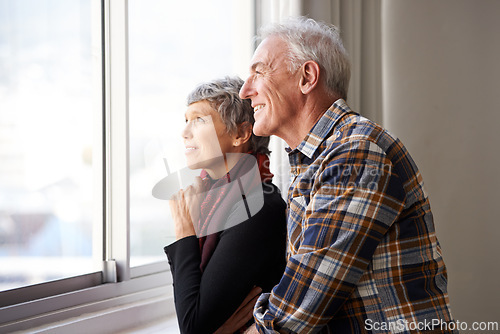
(199, 164)
(194, 166)
(215, 163)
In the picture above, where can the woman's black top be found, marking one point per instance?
(252, 253)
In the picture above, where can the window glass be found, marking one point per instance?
(173, 46)
(46, 137)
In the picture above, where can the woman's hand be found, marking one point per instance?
(242, 314)
(185, 209)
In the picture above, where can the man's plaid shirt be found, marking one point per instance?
(362, 250)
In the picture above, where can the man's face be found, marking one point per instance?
(273, 90)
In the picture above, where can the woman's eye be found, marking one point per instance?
(196, 120)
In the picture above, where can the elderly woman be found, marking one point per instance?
(230, 224)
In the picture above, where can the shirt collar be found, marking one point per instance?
(322, 128)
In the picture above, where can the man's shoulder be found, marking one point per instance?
(358, 140)
(354, 127)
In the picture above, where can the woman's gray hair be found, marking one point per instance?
(223, 96)
(308, 39)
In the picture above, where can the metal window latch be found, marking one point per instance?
(109, 271)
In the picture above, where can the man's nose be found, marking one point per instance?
(247, 90)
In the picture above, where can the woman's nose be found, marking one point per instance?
(186, 132)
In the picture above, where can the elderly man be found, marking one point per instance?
(362, 250)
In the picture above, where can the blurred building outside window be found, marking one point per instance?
(46, 139)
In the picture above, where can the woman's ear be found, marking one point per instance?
(309, 76)
(243, 134)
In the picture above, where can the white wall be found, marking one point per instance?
(441, 96)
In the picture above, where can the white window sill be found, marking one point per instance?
(141, 305)
(168, 326)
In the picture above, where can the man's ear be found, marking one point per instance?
(309, 76)
(243, 134)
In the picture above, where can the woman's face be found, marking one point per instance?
(206, 139)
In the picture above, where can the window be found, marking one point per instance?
(46, 142)
(92, 98)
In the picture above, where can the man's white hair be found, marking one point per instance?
(308, 39)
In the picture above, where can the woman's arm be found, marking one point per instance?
(245, 255)
(242, 315)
